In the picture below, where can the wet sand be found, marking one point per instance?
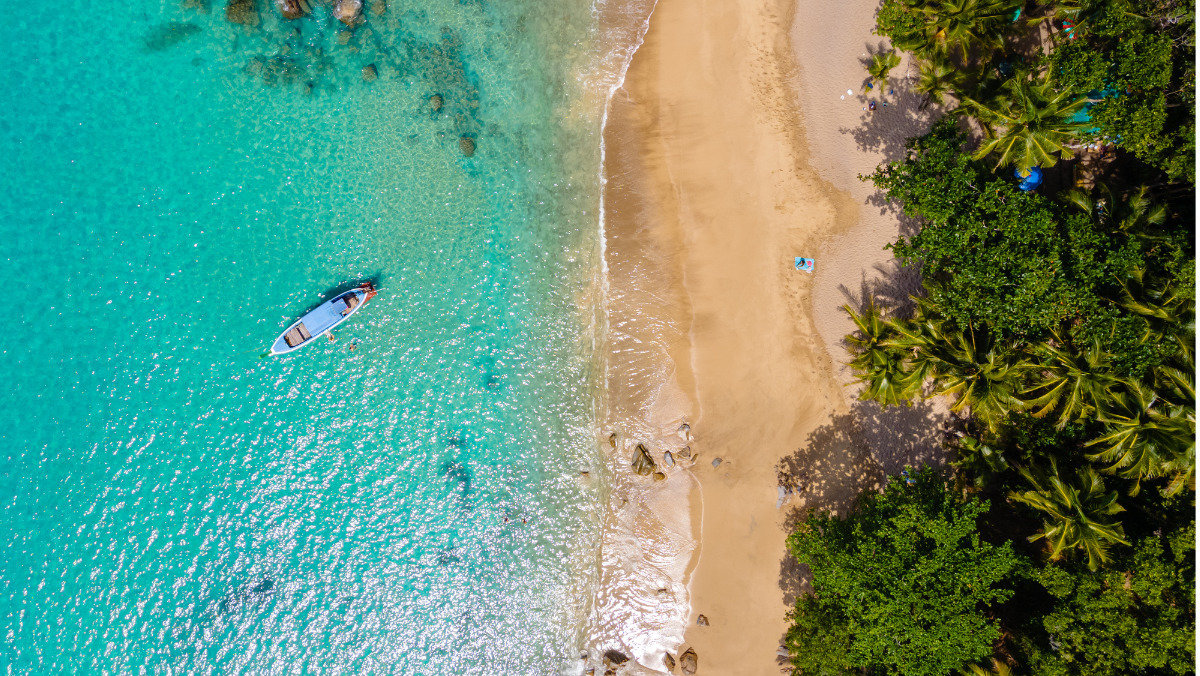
(729, 154)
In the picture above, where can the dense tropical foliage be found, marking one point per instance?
(1059, 323)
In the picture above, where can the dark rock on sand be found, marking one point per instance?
(688, 662)
(242, 12)
(348, 11)
(168, 35)
(659, 476)
(701, 620)
(669, 661)
(370, 73)
(467, 145)
(643, 464)
(436, 102)
(716, 463)
(293, 9)
(616, 657)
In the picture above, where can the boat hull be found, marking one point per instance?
(322, 319)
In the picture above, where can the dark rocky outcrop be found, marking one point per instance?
(689, 662)
(198, 5)
(615, 657)
(370, 73)
(378, 7)
(643, 464)
(244, 12)
(669, 662)
(467, 145)
(435, 104)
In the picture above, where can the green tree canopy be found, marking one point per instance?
(1016, 262)
(903, 585)
(1136, 618)
(1140, 55)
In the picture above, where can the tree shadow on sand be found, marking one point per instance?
(887, 129)
(854, 452)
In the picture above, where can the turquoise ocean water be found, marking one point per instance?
(177, 190)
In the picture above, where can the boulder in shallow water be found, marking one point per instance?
(378, 7)
(293, 9)
(467, 145)
(689, 662)
(348, 11)
(668, 459)
(716, 463)
(198, 5)
(435, 104)
(701, 620)
(615, 657)
(243, 12)
(643, 464)
(370, 73)
(659, 476)
(669, 662)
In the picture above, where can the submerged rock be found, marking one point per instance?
(293, 9)
(716, 463)
(348, 11)
(243, 12)
(685, 453)
(435, 104)
(669, 662)
(701, 620)
(168, 35)
(643, 464)
(689, 662)
(659, 476)
(198, 5)
(370, 73)
(378, 7)
(467, 145)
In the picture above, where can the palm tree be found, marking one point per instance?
(998, 668)
(964, 26)
(1077, 514)
(1137, 217)
(877, 361)
(985, 376)
(1142, 440)
(881, 64)
(1076, 381)
(1169, 314)
(937, 79)
(1028, 124)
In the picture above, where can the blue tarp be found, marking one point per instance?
(1031, 180)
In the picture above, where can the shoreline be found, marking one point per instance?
(726, 158)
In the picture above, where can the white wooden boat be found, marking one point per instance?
(321, 319)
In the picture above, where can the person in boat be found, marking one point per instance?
(349, 301)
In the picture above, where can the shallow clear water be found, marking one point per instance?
(174, 197)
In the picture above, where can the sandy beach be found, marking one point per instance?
(734, 147)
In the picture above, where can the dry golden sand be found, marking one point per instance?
(730, 152)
